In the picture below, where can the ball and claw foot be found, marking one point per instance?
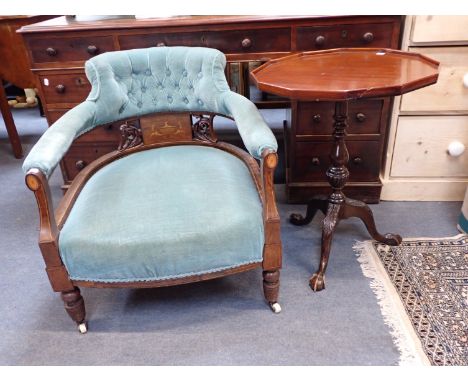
(83, 328)
(297, 219)
(317, 282)
(392, 239)
(275, 307)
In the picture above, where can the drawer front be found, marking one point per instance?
(65, 88)
(351, 35)
(107, 134)
(79, 156)
(54, 115)
(69, 49)
(316, 118)
(449, 93)
(436, 29)
(421, 147)
(230, 41)
(312, 160)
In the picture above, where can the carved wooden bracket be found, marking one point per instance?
(203, 128)
(131, 136)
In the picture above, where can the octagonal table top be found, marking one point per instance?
(346, 73)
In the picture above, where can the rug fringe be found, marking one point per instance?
(411, 353)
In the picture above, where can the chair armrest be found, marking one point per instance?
(56, 141)
(253, 130)
(272, 250)
(268, 166)
(48, 231)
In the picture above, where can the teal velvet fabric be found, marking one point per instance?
(164, 213)
(143, 81)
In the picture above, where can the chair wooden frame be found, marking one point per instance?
(52, 221)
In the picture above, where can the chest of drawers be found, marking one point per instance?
(426, 122)
(58, 49)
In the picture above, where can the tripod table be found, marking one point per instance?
(340, 75)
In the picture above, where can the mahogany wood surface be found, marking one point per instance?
(346, 73)
(14, 68)
(74, 305)
(169, 282)
(10, 123)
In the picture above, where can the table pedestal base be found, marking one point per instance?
(338, 207)
(333, 214)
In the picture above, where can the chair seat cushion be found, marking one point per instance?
(164, 213)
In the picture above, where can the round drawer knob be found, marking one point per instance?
(317, 118)
(80, 81)
(315, 161)
(456, 148)
(92, 49)
(80, 165)
(60, 88)
(360, 117)
(161, 44)
(320, 40)
(465, 80)
(246, 43)
(357, 160)
(368, 37)
(51, 52)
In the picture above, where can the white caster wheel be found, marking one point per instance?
(276, 308)
(83, 328)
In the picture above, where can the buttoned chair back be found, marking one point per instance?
(142, 81)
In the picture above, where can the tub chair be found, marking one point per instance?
(171, 204)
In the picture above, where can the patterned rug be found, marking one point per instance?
(422, 288)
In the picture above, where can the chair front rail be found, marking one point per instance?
(168, 282)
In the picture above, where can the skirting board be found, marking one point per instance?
(423, 190)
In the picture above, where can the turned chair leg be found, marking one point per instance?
(75, 307)
(271, 289)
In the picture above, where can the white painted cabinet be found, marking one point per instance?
(427, 154)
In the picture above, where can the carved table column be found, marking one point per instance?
(341, 75)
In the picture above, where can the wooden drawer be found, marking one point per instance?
(421, 147)
(439, 29)
(448, 94)
(54, 115)
(68, 49)
(312, 160)
(108, 134)
(79, 156)
(316, 118)
(229, 41)
(347, 35)
(71, 88)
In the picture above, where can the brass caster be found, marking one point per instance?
(275, 307)
(83, 328)
(317, 282)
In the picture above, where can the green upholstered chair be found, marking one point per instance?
(171, 204)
